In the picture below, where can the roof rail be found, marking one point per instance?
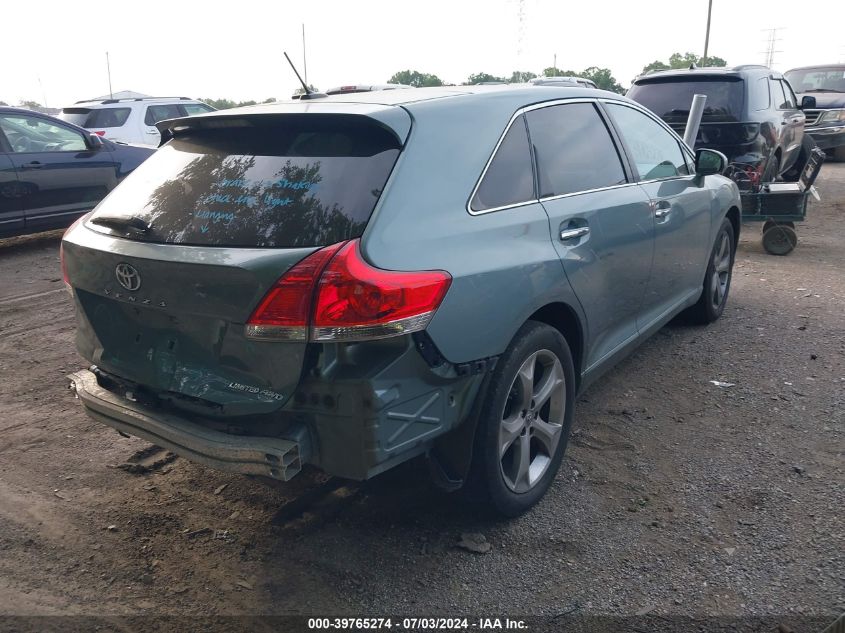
(108, 101)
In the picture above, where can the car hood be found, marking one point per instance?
(826, 100)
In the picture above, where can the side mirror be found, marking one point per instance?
(709, 161)
(94, 141)
(807, 103)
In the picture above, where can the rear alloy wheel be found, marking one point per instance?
(524, 424)
(532, 421)
(717, 279)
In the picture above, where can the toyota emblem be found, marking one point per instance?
(127, 276)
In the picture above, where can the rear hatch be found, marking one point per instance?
(721, 124)
(170, 266)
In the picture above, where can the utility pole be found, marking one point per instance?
(108, 70)
(304, 62)
(43, 93)
(554, 64)
(707, 33)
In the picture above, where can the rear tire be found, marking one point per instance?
(780, 239)
(837, 153)
(717, 279)
(524, 424)
(770, 223)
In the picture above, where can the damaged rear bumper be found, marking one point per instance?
(279, 458)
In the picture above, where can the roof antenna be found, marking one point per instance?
(308, 94)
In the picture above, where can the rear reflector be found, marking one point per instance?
(334, 295)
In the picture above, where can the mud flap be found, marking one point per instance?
(451, 456)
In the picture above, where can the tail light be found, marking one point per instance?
(62, 262)
(100, 132)
(284, 312)
(334, 295)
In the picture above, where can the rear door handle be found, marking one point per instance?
(34, 165)
(662, 213)
(572, 234)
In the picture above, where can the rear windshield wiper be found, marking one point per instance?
(122, 222)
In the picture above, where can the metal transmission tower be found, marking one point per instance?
(771, 41)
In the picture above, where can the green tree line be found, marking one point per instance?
(602, 77)
(225, 104)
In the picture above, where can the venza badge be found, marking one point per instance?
(127, 276)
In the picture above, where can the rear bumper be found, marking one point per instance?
(279, 458)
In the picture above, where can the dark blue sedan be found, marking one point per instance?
(52, 172)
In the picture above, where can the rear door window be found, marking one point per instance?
(196, 108)
(779, 96)
(573, 149)
(509, 178)
(31, 134)
(791, 101)
(156, 113)
(653, 149)
(758, 95)
(291, 181)
(670, 98)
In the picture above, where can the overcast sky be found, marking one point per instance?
(221, 48)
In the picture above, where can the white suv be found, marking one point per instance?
(131, 120)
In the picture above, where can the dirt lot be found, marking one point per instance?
(676, 496)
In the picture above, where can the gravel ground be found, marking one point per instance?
(677, 497)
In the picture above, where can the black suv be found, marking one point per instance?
(826, 122)
(751, 115)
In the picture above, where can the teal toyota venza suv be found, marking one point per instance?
(353, 281)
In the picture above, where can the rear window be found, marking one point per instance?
(305, 180)
(671, 99)
(96, 118)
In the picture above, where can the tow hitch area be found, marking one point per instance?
(275, 457)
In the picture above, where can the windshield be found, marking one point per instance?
(305, 180)
(670, 98)
(817, 79)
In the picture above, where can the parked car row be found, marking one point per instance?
(751, 115)
(131, 120)
(52, 172)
